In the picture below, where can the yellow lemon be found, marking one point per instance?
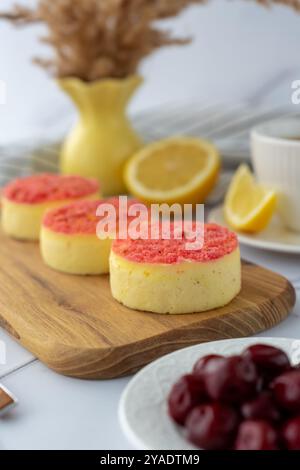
(249, 206)
(177, 170)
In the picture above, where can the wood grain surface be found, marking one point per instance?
(75, 327)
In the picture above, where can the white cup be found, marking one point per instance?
(276, 161)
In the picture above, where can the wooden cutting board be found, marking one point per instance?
(75, 327)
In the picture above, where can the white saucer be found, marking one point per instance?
(143, 406)
(274, 238)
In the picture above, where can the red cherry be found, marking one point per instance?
(256, 435)
(270, 361)
(286, 390)
(212, 426)
(231, 380)
(291, 434)
(185, 394)
(262, 408)
(203, 362)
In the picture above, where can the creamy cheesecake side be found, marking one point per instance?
(75, 254)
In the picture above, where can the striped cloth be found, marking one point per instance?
(228, 127)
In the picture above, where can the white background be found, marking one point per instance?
(239, 49)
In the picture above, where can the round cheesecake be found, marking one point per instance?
(25, 200)
(70, 239)
(162, 276)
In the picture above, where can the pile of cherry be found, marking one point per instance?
(246, 402)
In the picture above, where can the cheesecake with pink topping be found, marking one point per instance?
(25, 200)
(70, 238)
(163, 276)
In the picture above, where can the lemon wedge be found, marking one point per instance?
(177, 170)
(249, 206)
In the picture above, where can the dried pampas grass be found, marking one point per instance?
(94, 39)
(295, 4)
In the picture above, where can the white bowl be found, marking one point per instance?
(143, 407)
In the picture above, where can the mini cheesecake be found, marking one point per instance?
(162, 276)
(70, 238)
(25, 200)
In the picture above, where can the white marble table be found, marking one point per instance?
(239, 50)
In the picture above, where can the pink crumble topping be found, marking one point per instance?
(80, 217)
(218, 242)
(48, 187)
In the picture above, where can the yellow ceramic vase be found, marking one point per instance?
(103, 138)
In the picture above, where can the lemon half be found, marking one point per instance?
(178, 170)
